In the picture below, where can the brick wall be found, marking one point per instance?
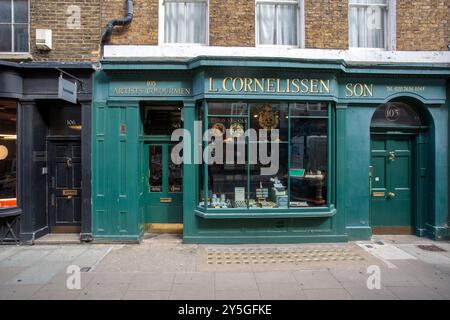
(422, 25)
(326, 24)
(232, 23)
(80, 44)
(144, 28)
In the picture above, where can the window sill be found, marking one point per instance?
(265, 213)
(12, 56)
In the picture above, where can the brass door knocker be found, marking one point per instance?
(69, 162)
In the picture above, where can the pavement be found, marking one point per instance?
(161, 268)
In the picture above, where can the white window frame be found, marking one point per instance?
(161, 24)
(390, 32)
(300, 22)
(12, 31)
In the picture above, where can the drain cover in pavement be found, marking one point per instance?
(244, 256)
(431, 248)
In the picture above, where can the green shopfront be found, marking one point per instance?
(273, 151)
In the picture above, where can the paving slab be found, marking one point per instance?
(281, 291)
(327, 294)
(416, 293)
(276, 277)
(152, 282)
(235, 281)
(18, 292)
(55, 294)
(359, 291)
(189, 292)
(146, 295)
(25, 257)
(40, 273)
(238, 295)
(316, 279)
(93, 291)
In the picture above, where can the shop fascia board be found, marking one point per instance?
(340, 67)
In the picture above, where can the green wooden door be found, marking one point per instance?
(391, 184)
(163, 185)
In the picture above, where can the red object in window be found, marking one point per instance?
(8, 203)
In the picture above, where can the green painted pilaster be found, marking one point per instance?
(189, 173)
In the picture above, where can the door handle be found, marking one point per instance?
(392, 195)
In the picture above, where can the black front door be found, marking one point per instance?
(64, 186)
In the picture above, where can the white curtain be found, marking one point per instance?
(367, 23)
(174, 30)
(185, 22)
(196, 13)
(277, 24)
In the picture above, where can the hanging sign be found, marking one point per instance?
(67, 90)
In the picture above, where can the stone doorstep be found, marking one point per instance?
(58, 238)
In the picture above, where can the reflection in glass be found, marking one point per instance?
(8, 157)
(175, 175)
(156, 169)
(309, 166)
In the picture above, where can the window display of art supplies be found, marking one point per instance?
(279, 194)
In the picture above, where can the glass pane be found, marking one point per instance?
(8, 149)
(269, 116)
(227, 177)
(309, 109)
(396, 114)
(5, 11)
(266, 24)
(270, 190)
(309, 162)
(63, 120)
(161, 120)
(20, 38)
(175, 174)
(5, 38)
(226, 108)
(156, 169)
(367, 24)
(287, 25)
(196, 15)
(174, 23)
(20, 11)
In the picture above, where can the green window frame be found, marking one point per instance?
(325, 210)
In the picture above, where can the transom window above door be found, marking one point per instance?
(279, 22)
(185, 21)
(372, 24)
(14, 26)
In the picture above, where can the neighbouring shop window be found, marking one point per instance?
(396, 114)
(14, 26)
(297, 132)
(368, 23)
(8, 154)
(161, 121)
(185, 21)
(277, 22)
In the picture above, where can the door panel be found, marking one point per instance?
(64, 184)
(163, 186)
(391, 198)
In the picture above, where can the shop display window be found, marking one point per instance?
(8, 154)
(298, 133)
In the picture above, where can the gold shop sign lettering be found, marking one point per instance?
(151, 88)
(358, 90)
(269, 85)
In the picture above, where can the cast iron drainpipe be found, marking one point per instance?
(106, 36)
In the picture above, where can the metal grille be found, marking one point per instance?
(247, 256)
